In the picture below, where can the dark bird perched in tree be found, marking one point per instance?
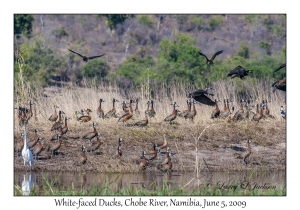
(238, 72)
(280, 85)
(280, 67)
(85, 58)
(210, 61)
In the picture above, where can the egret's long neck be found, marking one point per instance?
(25, 136)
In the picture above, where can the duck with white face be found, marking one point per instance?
(282, 112)
(247, 153)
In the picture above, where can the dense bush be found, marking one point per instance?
(95, 68)
(266, 46)
(214, 22)
(146, 20)
(40, 64)
(23, 24)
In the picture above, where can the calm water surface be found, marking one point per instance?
(151, 181)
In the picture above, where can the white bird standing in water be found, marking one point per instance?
(26, 152)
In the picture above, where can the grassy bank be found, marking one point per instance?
(164, 190)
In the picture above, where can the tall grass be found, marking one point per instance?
(72, 97)
(107, 190)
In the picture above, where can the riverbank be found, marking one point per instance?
(216, 145)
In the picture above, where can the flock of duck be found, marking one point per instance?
(34, 147)
(31, 147)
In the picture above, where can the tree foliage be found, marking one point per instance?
(40, 64)
(95, 68)
(23, 24)
(114, 19)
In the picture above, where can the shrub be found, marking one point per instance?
(197, 22)
(214, 22)
(243, 50)
(146, 20)
(60, 32)
(266, 46)
(23, 24)
(95, 68)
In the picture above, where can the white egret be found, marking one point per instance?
(26, 152)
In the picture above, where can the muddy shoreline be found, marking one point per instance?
(214, 147)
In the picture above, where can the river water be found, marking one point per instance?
(151, 181)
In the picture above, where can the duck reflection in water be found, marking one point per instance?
(27, 184)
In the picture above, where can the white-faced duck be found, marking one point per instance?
(239, 115)
(55, 136)
(172, 116)
(152, 112)
(216, 112)
(55, 147)
(54, 116)
(225, 113)
(82, 158)
(65, 127)
(34, 140)
(91, 134)
(19, 145)
(163, 145)
(58, 123)
(258, 117)
(86, 58)
(79, 114)
(112, 112)
(38, 149)
(94, 145)
(247, 153)
(184, 112)
(120, 141)
(29, 114)
(144, 162)
(144, 122)
(153, 154)
(118, 153)
(192, 113)
(127, 115)
(85, 118)
(136, 110)
(282, 113)
(33, 143)
(100, 112)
